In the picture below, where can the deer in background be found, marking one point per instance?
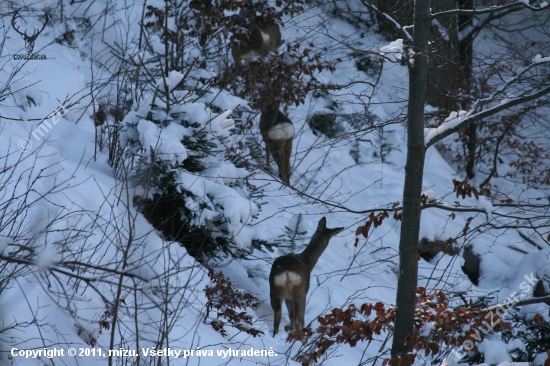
(290, 277)
(264, 36)
(277, 132)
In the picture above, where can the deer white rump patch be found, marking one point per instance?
(281, 131)
(287, 278)
(266, 37)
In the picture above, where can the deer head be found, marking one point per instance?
(29, 39)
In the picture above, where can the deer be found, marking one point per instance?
(264, 36)
(291, 274)
(277, 132)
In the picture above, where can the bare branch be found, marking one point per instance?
(511, 102)
(516, 6)
(402, 29)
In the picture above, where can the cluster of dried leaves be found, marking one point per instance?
(212, 17)
(282, 79)
(374, 219)
(463, 189)
(435, 326)
(225, 297)
(342, 326)
(505, 139)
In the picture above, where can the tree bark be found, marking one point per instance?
(444, 77)
(414, 169)
(471, 145)
(466, 51)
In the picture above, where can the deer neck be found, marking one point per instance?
(315, 248)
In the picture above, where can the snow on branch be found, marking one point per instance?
(451, 122)
(538, 59)
(517, 4)
(393, 51)
(459, 120)
(395, 23)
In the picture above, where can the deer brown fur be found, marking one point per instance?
(264, 36)
(290, 277)
(277, 132)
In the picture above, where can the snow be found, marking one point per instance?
(427, 328)
(430, 194)
(163, 142)
(494, 351)
(485, 205)
(78, 208)
(454, 119)
(538, 58)
(451, 362)
(26, 94)
(393, 51)
(170, 82)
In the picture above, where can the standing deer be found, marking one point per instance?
(277, 132)
(290, 276)
(264, 36)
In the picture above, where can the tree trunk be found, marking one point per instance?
(444, 77)
(466, 51)
(414, 169)
(471, 145)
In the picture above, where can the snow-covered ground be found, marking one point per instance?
(62, 202)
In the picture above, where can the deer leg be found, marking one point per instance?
(276, 306)
(287, 153)
(290, 307)
(299, 310)
(267, 152)
(279, 157)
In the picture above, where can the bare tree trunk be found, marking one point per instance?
(471, 145)
(444, 77)
(466, 51)
(414, 169)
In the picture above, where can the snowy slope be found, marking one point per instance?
(78, 210)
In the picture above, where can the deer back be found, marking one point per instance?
(278, 132)
(250, 47)
(288, 272)
(264, 36)
(274, 125)
(271, 35)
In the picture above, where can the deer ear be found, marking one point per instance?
(322, 224)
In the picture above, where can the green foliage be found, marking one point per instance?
(533, 333)
(167, 213)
